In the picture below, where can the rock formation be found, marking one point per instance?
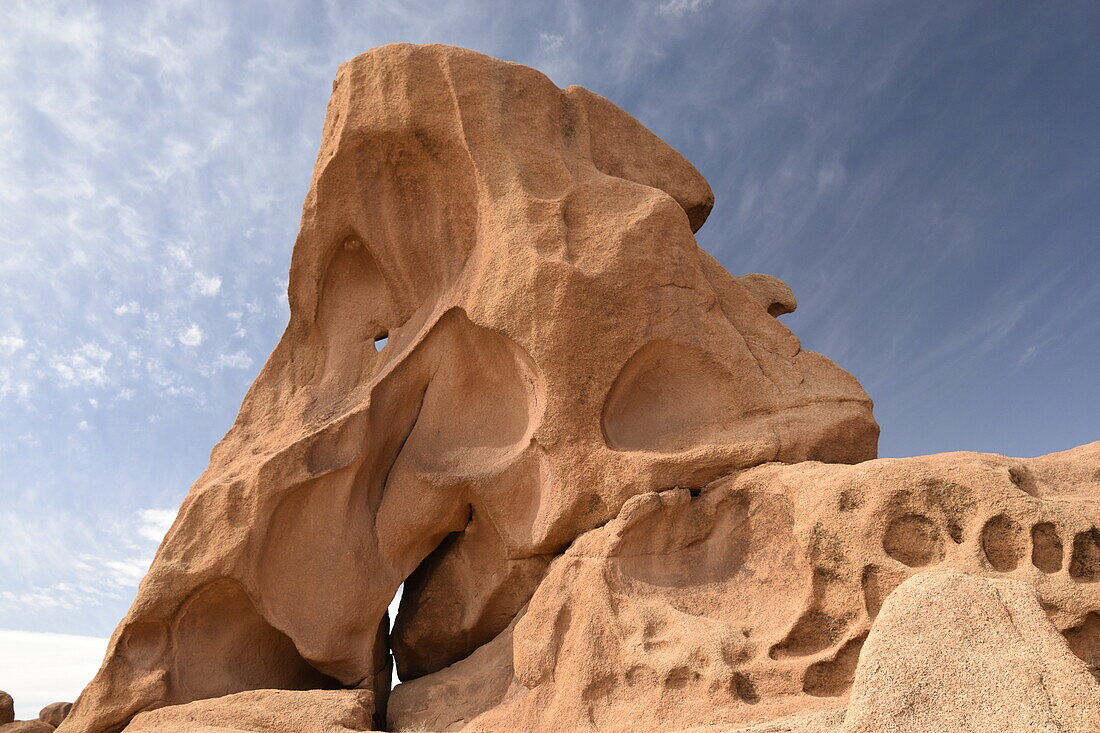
(55, 713)
(7, 708)
(48, 719)
(752, 598)
(619, 494)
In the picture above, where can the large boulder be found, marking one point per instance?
(7, 708)
(265, 711)
(618, 492)
(27, 726)
(751, 599)
(555, 342)
(955, 652)
(55, 713)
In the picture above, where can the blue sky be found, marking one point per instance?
(926, 177)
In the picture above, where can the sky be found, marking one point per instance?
(925, 176)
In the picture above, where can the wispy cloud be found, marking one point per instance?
(191, 336)
(236, 360)
(85, 365)
(551, 41)
(94, 562)
(682, 7)
(12, 343)
(207, 285)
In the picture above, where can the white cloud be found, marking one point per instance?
(122, 549)
(155, 523)
(12, 343)
(191, 336)
(206, 285)
(127, 308)
(551, 41)
(37, 668)
(85, 365)
(180, 255)
(682, 7)
(236, 360)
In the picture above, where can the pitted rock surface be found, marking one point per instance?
(618, 492)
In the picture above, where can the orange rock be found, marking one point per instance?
(7, 708)
(265, 711)
(55, 713)
(555, 343)
(954, 652)
(753, 601)
(615, 487)
(27, 726)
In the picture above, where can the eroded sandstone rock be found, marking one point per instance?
(265, 711)
(7, 708)
(27, 726)
(954, 652)
(616, 488)
(753, 599)
(555, 343)
(55, 713)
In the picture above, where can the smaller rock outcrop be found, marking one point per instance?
(54, 713)
(27, 726)
(7, 708)
(49, 718)
(957, 652)
(265, 711)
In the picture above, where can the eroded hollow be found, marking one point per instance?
(1084, 564)
(821, 625)
(1046, 547)
(700, 546)
(878, 582)
(1003, 543)
(913, 539)
(669, 397)
(223, 645)
(833, 677)
(354, 307)
(1084, 641)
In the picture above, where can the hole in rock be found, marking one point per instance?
(1003, 543)
(832, 678)
(914, 540)
(1084, 641)
(223, 646)
(1046, 547)
(354, 302)
(395, 679)
(381, 341)
(1084, 564)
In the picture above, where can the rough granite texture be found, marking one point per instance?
(618, 492)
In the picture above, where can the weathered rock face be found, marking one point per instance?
(55, 713)
(614, 485)
(952, 652)
(7, 708)
(266, 711)
(555, 344)
(752, 600)
(27, 726)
